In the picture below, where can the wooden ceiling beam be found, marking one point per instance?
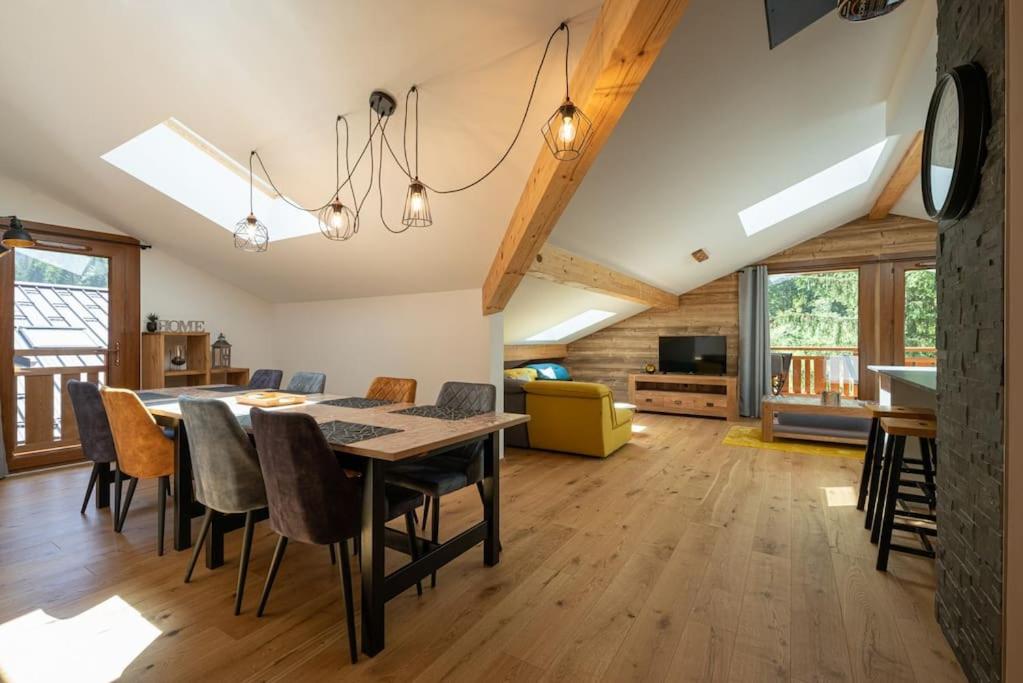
(565, 268)
(625, 41)
(906, 172)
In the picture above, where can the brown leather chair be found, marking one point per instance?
(144, 449)
(396, 389)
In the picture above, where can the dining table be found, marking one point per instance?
(377, 435)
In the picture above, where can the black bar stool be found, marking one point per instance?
(873, 456)
(895, 502)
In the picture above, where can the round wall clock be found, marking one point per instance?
(954, 147)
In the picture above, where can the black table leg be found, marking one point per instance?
(103, 483)
(371, 558)
(492, 500)
(215, 542)
(183, 503)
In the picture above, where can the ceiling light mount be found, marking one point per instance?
(383, 103)
(16, 235)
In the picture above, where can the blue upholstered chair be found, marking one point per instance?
(453, 470)
(266, 379)
(307, 383)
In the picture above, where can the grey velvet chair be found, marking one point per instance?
(307, 383)
(313, 500)
(227, 475)
(266, 379)
(451, 471)
(95, 436)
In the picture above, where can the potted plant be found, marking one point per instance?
(152, 322)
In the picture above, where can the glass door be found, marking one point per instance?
(916, 314)
(70, 317)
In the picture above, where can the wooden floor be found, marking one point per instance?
(676, 559)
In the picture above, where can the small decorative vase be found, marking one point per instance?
(650, 368)
(151, 326)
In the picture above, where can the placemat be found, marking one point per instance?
(355, 402)
(231, 388)
(341, 433)
(148, 396)
(439, 412)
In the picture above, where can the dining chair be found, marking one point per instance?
(95, 437)
(144, 450)
(266, 379)
(313, 500)
(227, 476)
(307, 383)
(394, 389)
(451, 471)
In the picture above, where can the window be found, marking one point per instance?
(573, 325)
(920, 319)
(176, 161)
(817, 189)
(815, 331)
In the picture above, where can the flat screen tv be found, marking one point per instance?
(693, 355)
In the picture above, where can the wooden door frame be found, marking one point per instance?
(1012, 494)
(124, 294)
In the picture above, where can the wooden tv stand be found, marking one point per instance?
(708, 395)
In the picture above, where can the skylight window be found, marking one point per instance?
(571, 326)
(815, 190)
(176, 161)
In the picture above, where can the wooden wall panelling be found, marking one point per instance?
(861, 241)
(612, 354)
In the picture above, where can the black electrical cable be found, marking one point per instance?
(380, 185)
(408, 170)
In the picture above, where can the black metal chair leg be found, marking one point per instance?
(346, 589)
(435, 533)
(413, 545)
(93, 476)
(891, 496)
(880, 497)
(127, 503)
(275, 564)
(118, 481)
(426, 510)
(333, 555)
(207, 521)
(243, 564)
(876, 469)
(868, 462)
(161, 513)
(926, 458)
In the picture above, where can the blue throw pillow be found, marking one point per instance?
(550, 371)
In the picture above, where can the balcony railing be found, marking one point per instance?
(835, 368)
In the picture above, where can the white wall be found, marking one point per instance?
(169, 287)
(432, 337)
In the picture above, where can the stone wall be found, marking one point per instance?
(970, 365)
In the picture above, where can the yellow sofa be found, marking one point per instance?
(576, 417)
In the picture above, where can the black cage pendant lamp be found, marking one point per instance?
(337, 221)
(16, 235)
(568, 131)
(417, 202)
(249, 233)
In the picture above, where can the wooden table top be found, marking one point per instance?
(419, 435)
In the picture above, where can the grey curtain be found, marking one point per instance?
(754, 340)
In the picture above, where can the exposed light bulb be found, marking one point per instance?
(417, 201)
(567, 132)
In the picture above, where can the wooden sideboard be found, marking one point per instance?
(706, 395)
(158, 373)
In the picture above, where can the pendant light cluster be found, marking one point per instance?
(566, 134)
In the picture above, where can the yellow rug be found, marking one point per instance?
(749, 437)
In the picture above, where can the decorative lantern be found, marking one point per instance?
(221, 352)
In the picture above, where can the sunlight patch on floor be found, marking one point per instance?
(840, 496)
(96, 645)
(638, 429)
